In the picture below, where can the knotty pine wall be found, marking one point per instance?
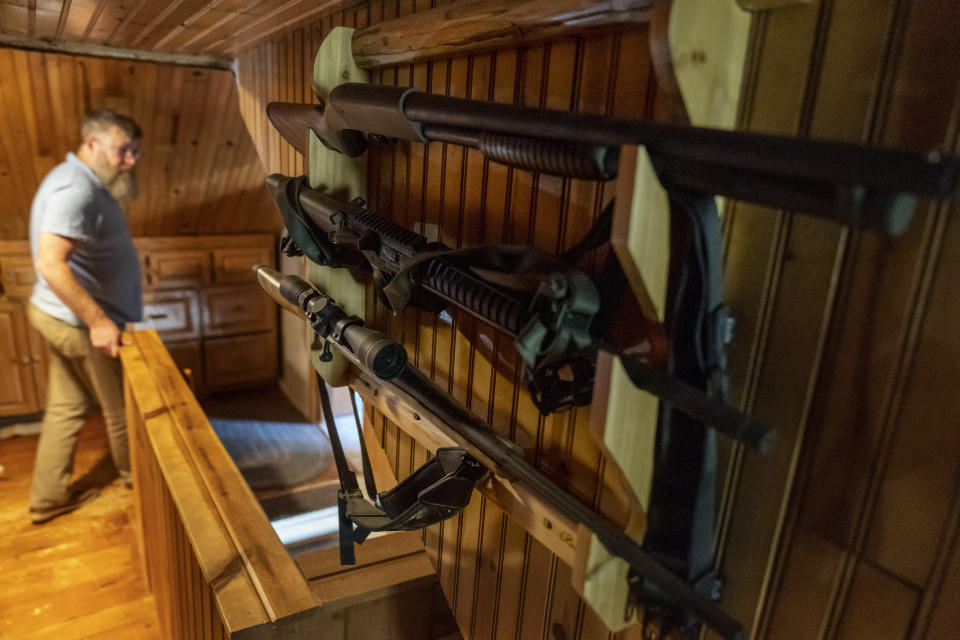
(846, 341)
(199, 172)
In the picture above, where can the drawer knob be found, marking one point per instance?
(157, 316)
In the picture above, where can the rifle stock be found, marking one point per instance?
(295, 121)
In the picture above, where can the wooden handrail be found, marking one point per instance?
(250, 574)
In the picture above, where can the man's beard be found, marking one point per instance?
(123, 186)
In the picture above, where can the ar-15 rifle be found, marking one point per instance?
(551, 324)
(852, 184)
(379, 356)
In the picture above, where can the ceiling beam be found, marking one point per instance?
(93, 18)
(101, 51)
(64, 13)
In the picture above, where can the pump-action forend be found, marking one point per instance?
(377, 354)
(849, 183)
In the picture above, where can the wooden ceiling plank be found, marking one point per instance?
(64, 13)
(48, 15)
(257, 22)
(137, 39)
(31, 16)
(229, 15)
(130, 15)
(14, 19)
(101, 51)
(93, 19)
(204, 9)
(111, 16)
(81, 12)
(279, 21)
(153, 11)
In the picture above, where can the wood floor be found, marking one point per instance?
(78, 575)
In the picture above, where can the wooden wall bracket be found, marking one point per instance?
(699, 51)
(343, 177)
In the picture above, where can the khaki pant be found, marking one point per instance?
(78, 373)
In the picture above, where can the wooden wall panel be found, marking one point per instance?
(849, 532)
(846, 340)
(199, 173)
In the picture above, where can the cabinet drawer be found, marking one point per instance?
(235, 264)
(240, 359)
(17, 276)
(177, 268)
(237, 309)
(174, 314)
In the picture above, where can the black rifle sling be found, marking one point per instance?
(303, 232)
(434, 492)
(681, 518)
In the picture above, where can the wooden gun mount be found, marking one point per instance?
(542, 520)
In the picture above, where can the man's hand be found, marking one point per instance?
(53, 253)
(105, 337)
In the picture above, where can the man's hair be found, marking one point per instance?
(101, 120)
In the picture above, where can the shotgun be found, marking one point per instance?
(852, 184)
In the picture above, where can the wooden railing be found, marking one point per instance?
(213, 562)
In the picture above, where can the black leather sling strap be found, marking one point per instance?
(434, 492)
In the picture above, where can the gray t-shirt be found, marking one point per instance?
(73, 203)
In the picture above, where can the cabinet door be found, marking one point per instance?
(17, 392)
(240, 360)
(237, 309)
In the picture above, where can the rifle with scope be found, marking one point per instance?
(378, 355)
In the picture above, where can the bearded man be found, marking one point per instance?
(88, 288)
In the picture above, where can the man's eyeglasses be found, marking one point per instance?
(131, 149)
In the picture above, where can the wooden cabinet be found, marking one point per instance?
(176, 268)
(200, 296)
(234, 264)
(175, 314)
(242, 359)
(188, 356)
(198, 293)
(23, 359)
(17, 275)
(237, 309)
(22, 363)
